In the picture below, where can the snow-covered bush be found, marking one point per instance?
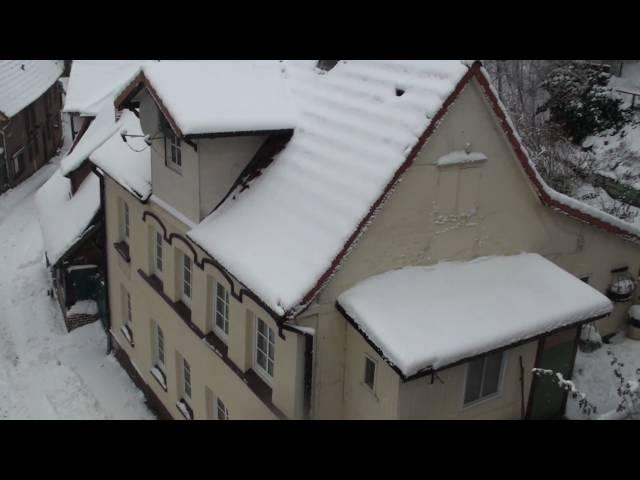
(622, 289)
(590, 338)
(580, 101)
(628, 391)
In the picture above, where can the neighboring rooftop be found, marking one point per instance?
(92, 83)
(128, 163)
(24, 81)
(222, 96)
(65, 219)
(100, 129)
(430, 317)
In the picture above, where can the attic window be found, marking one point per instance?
(400, 91)
(326, 65)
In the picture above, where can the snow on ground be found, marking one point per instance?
(46, 373)
(593, 375)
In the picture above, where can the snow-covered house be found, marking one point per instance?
(92, 84)
(30, 122)
(346, 239)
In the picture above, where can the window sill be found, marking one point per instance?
(128, 335)
(123, 249)
(160, 377)
(176, 170)
(183, 311)
(255, 383)
(184, 409)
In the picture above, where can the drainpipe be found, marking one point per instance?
(107, 312)
(308, 334)
(522, 410)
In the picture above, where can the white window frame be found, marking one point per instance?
(186, 299)
(260, 370)
(186, 380)
(158, 252)
(224, 331)
(220, 409)
(173, 152)
(492, 396)
(16, 164)
(160, 346)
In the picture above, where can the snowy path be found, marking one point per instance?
(46, 373)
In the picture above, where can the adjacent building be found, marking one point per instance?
(345, 240)
(69, 203)
(30, 121)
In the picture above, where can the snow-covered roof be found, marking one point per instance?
(358, 121)
(92, 83)
(64, 218)
(129, 163)
(100, 129)
(223, 96)
(430, 317)
(24, 81)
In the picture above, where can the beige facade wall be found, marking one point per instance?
(421, 399)
(210, 375)
(458, 213)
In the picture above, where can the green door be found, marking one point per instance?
(558, 353)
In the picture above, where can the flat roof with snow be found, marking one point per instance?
(427, 318)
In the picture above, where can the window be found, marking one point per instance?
(160, 348)
(186, 376)
(125, 222)
(265, 348)
(173, 151)
(223, 412)
(369, 372)
(483, 377)
(186, 277)
(158, 252)
(222, 309)
(18, 164)
(129, 316)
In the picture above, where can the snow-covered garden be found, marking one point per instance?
(45, 372)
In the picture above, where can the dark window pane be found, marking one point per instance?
(491, 374)
(261, 359)
(369, 372)
(474, 380)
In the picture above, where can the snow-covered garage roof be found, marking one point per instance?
(430, 317)
(92, 83)
(23, 81)
(221, 96)
(64, 219)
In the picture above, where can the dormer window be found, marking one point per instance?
(326, 65)
(173, 152)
